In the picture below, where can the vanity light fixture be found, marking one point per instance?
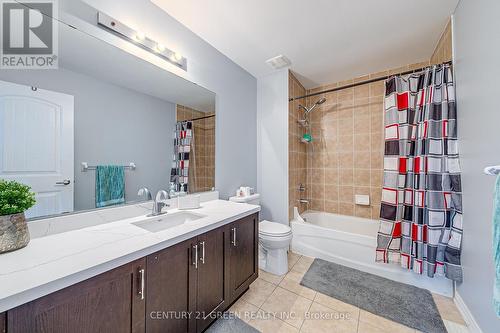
(139, 38)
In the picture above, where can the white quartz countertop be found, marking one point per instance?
(57, 261)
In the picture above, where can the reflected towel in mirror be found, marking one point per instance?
(109, 185)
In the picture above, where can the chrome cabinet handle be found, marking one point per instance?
(195, 261)
(202, 258)
(142, 273)
(64, 182)
(234, 237)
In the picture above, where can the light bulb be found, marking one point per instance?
(160, 47)
(139, 35)
(177, 56)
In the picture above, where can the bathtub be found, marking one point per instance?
(351, 241)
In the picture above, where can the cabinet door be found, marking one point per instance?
(211, 294)
(2, 323)
(110, 302)
(242, 254)
(171, 289)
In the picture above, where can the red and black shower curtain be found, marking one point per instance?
(421, 210)
(179, 175)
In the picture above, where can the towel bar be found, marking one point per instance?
(492, 170)
(86, 166)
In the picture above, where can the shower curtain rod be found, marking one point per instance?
(200, 118)
(362, 82)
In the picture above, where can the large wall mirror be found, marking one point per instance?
(104, 125)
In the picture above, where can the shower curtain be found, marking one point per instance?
(421, 210)
(179, 174)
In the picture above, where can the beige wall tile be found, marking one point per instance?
(377, 88)
(363, 211)
(346, 143)
(361, 92)
(331, 192)
(346, 161)
(331, 206)
(346, 208)
(332, 175)
(362, 177)
(346, 194)
(376, 178)
(346, 176)
(443, 50)
(362, 141)
(361, 160)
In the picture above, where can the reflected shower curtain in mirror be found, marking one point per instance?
(179, 174)
(421, 210)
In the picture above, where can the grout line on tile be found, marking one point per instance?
(308, 310)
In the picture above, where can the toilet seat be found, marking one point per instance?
(274, 229)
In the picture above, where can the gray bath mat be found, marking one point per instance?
(411, 306)
(230, 324)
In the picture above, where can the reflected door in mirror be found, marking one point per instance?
(36, 145)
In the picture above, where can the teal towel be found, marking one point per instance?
(109, 185)
(496, 247)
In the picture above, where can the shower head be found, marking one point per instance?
(319, 102)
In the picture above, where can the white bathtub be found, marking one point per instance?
(351, 241)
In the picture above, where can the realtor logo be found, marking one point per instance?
(29, 34)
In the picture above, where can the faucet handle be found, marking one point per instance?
(145, 192)
(162, 195)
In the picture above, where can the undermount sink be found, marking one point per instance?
(167, 221)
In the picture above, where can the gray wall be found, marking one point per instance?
(477, 52)
(272, 147)
(236, 89)
(113, 125)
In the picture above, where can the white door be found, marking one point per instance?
(36, 145)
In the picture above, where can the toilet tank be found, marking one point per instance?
(253, 199)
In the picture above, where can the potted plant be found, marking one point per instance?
(15, 199)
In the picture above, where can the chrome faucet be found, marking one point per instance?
(159, 203)
(145, 192)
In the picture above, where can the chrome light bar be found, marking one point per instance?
(140, 39)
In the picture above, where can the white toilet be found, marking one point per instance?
(274, 240)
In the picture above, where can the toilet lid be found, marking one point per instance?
(273, 228)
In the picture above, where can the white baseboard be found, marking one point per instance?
(468, 317)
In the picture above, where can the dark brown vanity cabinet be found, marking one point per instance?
(180, 289)
(242, 255)
(171, 289)
(185, 284)
(112, 302)
(2, 323)
(211, 294)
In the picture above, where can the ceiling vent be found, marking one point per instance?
(279, 62)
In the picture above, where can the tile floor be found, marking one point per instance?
(300, 309)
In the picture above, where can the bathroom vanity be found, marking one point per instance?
(177, 279)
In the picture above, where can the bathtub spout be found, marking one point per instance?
(296, 215)
(304, 201)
